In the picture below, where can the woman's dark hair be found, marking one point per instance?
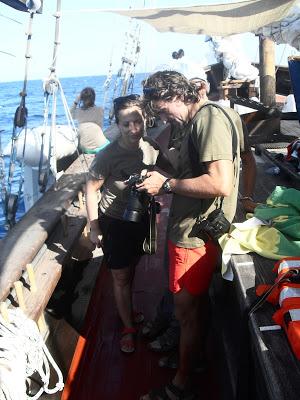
(167, 85)
(124, 102)
(88, 96)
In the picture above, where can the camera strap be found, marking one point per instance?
(218, 203)
(193, 148)
(150, 242)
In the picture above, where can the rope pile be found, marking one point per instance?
(22, 354)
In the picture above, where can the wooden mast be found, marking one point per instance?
(267, 71)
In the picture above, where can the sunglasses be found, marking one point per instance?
(124, 99)
(150, 91)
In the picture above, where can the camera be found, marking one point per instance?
(215, 225)
(137, 202)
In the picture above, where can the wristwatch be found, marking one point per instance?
(166, 186)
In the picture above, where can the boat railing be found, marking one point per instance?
(43, 240)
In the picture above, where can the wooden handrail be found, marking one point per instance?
(26, 238)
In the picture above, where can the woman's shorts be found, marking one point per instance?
(122, 241)
(192, 269)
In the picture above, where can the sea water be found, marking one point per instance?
(10, 100)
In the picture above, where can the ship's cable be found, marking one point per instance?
(20, 122)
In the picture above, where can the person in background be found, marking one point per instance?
(122, 240)
(192, 256)
(176, 55)
(90, 121)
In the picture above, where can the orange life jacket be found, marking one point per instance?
(287, 295)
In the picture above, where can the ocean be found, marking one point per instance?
(10, 100)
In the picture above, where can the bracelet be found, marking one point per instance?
(246, 198)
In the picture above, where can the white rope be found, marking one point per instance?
(71, 124)
(48, 82)
(68, 115)
(23, 353)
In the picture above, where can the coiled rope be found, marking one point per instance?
(22, 354)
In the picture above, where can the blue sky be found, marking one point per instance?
(90, 39)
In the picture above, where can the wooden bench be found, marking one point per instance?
(254, 364)
(235, 87)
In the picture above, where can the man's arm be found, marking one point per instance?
(216, 182)
(74, 106)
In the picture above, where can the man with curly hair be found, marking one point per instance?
(197, 191)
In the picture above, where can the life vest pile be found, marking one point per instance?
(287, 296)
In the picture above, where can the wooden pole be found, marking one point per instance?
(31, 278)
(267, 71)
(4, 311)
(20, 296)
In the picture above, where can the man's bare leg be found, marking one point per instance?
(192, 312)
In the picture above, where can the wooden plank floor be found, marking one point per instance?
(99, 370)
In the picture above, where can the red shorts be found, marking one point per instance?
(192, 268)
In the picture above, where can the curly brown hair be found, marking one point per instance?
(167, 85)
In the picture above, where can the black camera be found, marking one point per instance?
(215, 225)
(137, 202)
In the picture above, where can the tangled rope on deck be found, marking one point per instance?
(22, 354)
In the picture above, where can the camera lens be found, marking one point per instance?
(137, 201)
(135, 207)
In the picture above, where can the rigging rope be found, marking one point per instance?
(280, 61)
(52, 86)
(2, 176)
(22, 354)
(20, 121)
(125, 76)
(72, 125)
(107, 82)
(42, 179)
(50, 92)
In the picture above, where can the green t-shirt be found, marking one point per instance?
(211, 130)
(115, 164)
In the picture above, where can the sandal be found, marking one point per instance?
(163, 393)
(167, 341)
(138, 317)
(153, 328)
(127, 343)
(172, 360)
